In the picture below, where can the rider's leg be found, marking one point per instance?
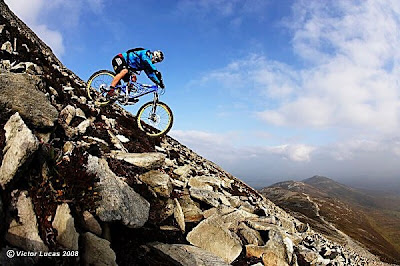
(118, 77)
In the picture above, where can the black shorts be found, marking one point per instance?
(119, 63)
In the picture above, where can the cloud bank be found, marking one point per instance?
(347, 83)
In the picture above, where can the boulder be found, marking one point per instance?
(146, 160)
(217, 239)
(122, 138)
(158, 181)
(21, 93)
(250, 235)
(24, 233)
(183, 171)
(178, 214)
(64, 224)
(20, 145)
(66, 115)
(118, 200)
(91, 224)
(207, 196)
(97, 251)
(191, 211)
(7, 46)
(277, 251)
(204, 182)
(186, 255)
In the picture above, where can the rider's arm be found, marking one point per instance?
(152, 72)
(155, 77)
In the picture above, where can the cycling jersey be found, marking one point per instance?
(141, 60)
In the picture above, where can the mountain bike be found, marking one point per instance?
(155, 118)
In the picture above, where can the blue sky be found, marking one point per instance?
(270, 90)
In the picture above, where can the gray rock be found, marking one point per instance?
(217, 239)
(7, 46)
(178, 214)
(5, 64)
(250, 235)
(91, 224)
(79, 113)
(204, 182)
(27, 67)
(20, 93)
(24, 233)
(65, 225)
(146, 160)
(118, 200)
(191, 210)
(97, 251)
(277, 251)
(183, 171)
(158, 181)
(186, 255)
(68, 148)
(66, 115)
(82, 127)
(207, 196)
(20, 145)
(117, 143)
(122, 138)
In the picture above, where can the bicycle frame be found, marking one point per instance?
(138, 90)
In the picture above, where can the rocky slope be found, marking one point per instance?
(82, 181)
(338, 211)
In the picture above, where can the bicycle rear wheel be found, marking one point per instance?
(155, 124)
(97, 86)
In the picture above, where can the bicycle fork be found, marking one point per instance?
(154, 109)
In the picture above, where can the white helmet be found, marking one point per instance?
(158, 56)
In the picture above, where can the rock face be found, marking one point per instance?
(119, 201)
(20, 144)
(21, 93)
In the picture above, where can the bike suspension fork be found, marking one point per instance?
(155, 101)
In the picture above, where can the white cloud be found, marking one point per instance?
(351, 74)
(296, 152)
(47, 18)
(31, 14)
(352, 79)
(348, 84)
(226, 147)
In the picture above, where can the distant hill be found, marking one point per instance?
(373, 219)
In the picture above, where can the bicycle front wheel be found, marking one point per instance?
(155, 124)
(97, 86)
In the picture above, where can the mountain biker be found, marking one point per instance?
(136, 60)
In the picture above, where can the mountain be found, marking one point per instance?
(83, 185)
(332, 209)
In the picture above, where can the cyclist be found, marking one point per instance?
(136, 59)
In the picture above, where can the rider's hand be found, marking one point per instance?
(133, 78)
